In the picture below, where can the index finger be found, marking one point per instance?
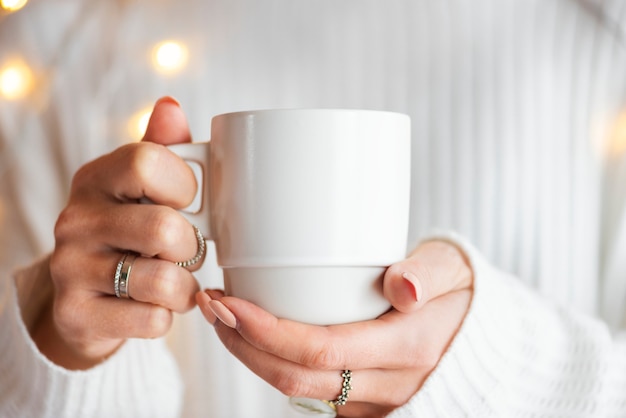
(135, 171)
(358, 345)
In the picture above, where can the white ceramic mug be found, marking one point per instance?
(307, 207)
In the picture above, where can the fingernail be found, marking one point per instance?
(223, 313)
(204, 301)
(213, 294)
(167, 99)
(413, 284)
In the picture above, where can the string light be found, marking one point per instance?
(617, 137)
(13, 5)
(167, 57)
(138, 123)
(170, 56)
(16, 81)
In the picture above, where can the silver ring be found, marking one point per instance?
(199, 253)
(346, 387)
(121, 281)
(311, 406)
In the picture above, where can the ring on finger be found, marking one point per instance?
(121, 280)
(346, 387)
(199, 253)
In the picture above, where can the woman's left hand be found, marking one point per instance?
(390, 357)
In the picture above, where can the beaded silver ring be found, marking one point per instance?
(346, 387)
(320, 407)
(199, 253)
(118, 273)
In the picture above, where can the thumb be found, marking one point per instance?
(168, 123)
(433, 269)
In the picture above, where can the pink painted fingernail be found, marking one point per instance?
(223, 313)
(167, 99)
(203, 299)
(414, 285)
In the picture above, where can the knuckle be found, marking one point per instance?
(165, 283)
(167, 228)
(66, 224)
(83, 177)
(324, 357)
(144, 160)
(289, 384)
(67, 316)
(61, 267)
(61, 227)
(57, 266)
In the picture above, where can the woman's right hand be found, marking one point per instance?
(102, 221)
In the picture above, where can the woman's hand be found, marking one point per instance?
(390, 357)
(102, 221)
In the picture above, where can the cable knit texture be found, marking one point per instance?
(519, 355)
(128, 383)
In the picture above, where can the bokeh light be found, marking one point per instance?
(617, 137)
(12, 5)
(16, 80)
(138, 123)
(170, 56)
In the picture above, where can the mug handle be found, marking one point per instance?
(196, 155)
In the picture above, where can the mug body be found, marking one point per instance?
(311, 187)
(308, 208)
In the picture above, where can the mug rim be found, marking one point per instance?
(329, 110)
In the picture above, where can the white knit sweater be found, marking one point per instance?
(519, 156)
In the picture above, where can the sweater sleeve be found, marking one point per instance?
(140, 380)
(517, 354)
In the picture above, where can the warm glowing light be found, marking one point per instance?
(170, 56)
(138, 124)
(16, 81)
(12, 5)
(617, 137)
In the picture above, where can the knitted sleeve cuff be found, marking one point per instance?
(140, 380)
(517, 354)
